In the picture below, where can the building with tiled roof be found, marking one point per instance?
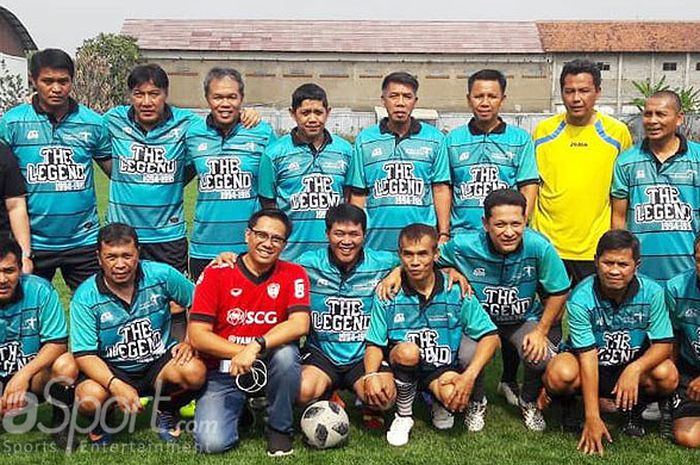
(15, 43)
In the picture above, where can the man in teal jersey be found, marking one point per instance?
(304, 172)
(55, 141)
(513, 271)
(34, 363)
(656, 190)
(420, 331)
(398, 173)
(682, 297)
(619, 342)
(343, 276)
(226, 156)
(486, 155)
(122, 335)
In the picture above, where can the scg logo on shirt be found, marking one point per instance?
(236, 317)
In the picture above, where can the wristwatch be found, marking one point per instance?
(263, 343)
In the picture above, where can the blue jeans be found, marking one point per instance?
(221, 403)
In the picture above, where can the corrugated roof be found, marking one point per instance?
(435, 37)
(619, 36)
(27, 42)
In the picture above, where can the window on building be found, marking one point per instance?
(670, 66)
(603, 65)
(697, 66)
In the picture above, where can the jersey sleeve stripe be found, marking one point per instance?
(299, 308)
(202, 318)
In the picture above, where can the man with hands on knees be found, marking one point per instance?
(619, 344)
(420, 331)
(246, 322)
(123, 336)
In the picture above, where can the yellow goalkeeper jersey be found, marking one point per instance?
(575, 165)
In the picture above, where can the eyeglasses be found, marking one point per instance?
(262, 236)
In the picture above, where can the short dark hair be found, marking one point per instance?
(274, 213)
(216, 74)
(671, 95)
(415, 232)
(151, 72)
(10, 246)
(504, 197)
(618, 239)
(401, 77)
(487, 75)
(579, 66)
(116, 233)
(51, 58)
(346, 213)
(309, 91)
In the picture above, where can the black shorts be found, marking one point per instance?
(425, 376)
(173, 253)
(579, 270)
(607, 379)
(76, 264)
(342, 376)
(144, 380)
(685, 407)
(197, 266)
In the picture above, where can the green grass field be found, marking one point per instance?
(504, 440)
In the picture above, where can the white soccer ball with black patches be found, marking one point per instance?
(325, 425)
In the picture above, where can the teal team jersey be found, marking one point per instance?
(397, 175)
(56, 160)
(619, 332)
(341, 302)
(507, 285)
(435, 325)
(664, 200)
(128, 336)
(481, 163)
(227, 188)
(34, 317)
(305, 183)
(683, 300)
(146, 190)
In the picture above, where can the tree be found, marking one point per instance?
(12, 88)
(102, 66)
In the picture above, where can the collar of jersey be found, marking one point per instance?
(103, 289)
(333, 261)
(72, 108)
(412, 130)
(682, 148)
(477, 131)
(250, 276)
(437, 288)
(167, 114)
(492, 248)
(299, 142)
(18, 294)
(234, 130)
(631, 291)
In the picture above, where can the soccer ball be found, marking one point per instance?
(325, 424)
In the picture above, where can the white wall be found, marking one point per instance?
(16, 65)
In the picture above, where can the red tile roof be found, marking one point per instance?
(436, 37)
(619, 36)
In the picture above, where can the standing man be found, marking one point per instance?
(226, 156)
(122, 335)
(575, 154)
(682, 295)
(55, 141)
(14, 220)
(33, 343)
(656, 190)
(487, 154)
(246, 321)
(398, 174)
(422, 330)
(304, 173)
(620, 342)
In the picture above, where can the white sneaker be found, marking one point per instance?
(511, 391)
(442, 418)
(652, 412)
(399, 431)
(534, 420)
(475, 415)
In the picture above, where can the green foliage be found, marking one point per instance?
(102, 66)
(12, 88)
(647, 89)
